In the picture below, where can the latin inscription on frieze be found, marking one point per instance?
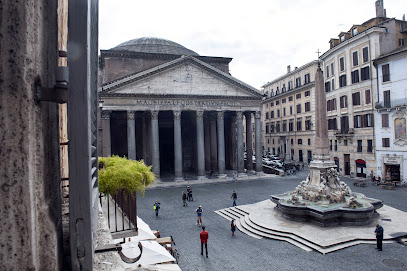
(186, 103)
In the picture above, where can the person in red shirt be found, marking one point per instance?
(204, 240)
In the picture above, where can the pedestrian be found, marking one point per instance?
(233, 227)
(184, 199)
(234, 197)
(189, 191)
(156, 207)
(234, 177)
(204, 240)
(294, 170)
(199, 212)
(379, 237)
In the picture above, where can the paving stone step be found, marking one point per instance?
(244, 230)
(223, 215)
(237, 210)
(241, 209)
(238, 220)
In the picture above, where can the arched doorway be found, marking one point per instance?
(360, 168)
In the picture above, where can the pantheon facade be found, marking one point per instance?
(180, 112)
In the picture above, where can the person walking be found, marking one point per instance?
(199, 212)
(294, 170)
(234, 177)
(234, 197)
(379, 237)
(156, 207)
(204, 240)
(189, 191)
(233, 227)
(184, 199)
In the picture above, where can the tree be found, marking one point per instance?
(119, 173)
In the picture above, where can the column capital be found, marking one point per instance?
(177, 115)
(154, 115)
(220, 115)
(105, 114)
(239, 115)
(257, 114)
(130, 115)
(199, 114)
(248, 113)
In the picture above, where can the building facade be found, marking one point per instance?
(180, 112)
(391, 116)
(288, 115)
(351, 86)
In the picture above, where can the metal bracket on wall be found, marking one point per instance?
(57, 94)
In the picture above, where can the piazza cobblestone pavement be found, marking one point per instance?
(243, 252)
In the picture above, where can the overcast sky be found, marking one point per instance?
(262, 37)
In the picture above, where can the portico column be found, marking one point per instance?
(131, 135)
(106, 144)
(240, 147)
(213, 144)
(249, 142)
(177, 146)
(221, 144)
(155, 143)
(144, 132)
(257, 127)
(200, 144)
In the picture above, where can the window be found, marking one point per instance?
(299, 124)
(272, 94)
(345, 142)
(342, 80)
(354, 31)
(290, 99)
(331, 105)
(362, 121)
(309, 141)
(307, 106)
(332, 124)
(283, 89)
(385, 120)
(307, 78)
(298, 96)
(283, 101)
(327, 71)
(356, 98)
(401, 42)
(277, 102)
(367, 96)
(365, 55)
(278, 113)
(272, 114)
(272, 128)
(277, 91)
(386, 72)
(342, 38)
(278, 127)
(386, 98)
(342, 64)
(307, 93)
(355, 76)
(292, 141)
(291, 110)
(285, 126)
(364, 73)
(369, 145)
(368, 120)
(298, 108)
(267, 129)
(298, 82)
(271, 104)
(344, 125)
(327, 86)
(291, 125)
(307, 124)
(355, 58)
(266, 94)
(299, 141)
(336, 145)
(343, 101)
(267, 115)
(290, 85)
(357, 121)
(332, 69)
(284, 111)
(333, 84)
(359, 145)
(386, 142)
(330, 145)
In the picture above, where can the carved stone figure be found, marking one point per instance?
(353, 203)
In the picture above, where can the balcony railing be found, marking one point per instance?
(391, 103)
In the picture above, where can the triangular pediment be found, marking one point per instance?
(184, 76)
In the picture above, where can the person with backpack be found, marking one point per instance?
(156, 207)
(189, 192)
(184, 198)
(234, 197)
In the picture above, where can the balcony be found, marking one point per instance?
(391, 104)
(345, 134)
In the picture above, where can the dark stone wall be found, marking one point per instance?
(30, 208)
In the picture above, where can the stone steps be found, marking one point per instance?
(247, 226)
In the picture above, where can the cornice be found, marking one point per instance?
(289, 92)
(174, 96)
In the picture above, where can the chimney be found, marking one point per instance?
(380, 9)
(288, 69)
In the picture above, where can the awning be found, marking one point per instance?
(360, 161)
(153, 253)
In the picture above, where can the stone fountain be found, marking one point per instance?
(322, 198)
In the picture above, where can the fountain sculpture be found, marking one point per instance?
(322, 198)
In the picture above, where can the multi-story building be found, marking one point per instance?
(351, 86)
(288, 113)
(391, 115)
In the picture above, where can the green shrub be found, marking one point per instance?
(119, 173)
